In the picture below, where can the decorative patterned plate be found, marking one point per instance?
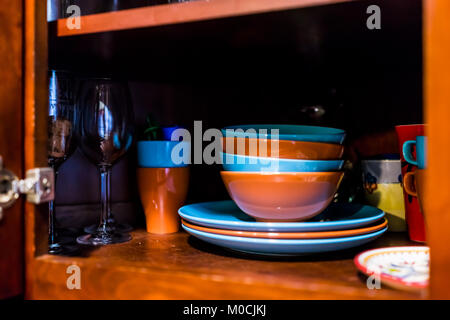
(283, 247)
(405, 268)
(227, 215)
(292, 235)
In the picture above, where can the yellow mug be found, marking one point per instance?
(383, 189)
(389, 198)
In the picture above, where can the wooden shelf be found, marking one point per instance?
(181, 267)
(180, 13)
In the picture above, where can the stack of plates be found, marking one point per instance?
(282, 180)
(340, 226)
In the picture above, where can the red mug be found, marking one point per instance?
(414, 216)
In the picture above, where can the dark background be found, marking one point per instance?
(265, 68)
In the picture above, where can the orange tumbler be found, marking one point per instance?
(163, 191)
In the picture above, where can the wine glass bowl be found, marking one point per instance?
(105, 121)
(61, 117)
(59, 138)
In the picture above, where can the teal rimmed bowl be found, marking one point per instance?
(287, 132)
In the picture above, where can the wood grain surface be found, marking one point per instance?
(35, 129)
(179, 266)
(11, 143)
(179, 13)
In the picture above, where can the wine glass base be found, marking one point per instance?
(68, 232)
(67, 236)
(103, 239)
(67, 240)
(63, 250)
(115, 227)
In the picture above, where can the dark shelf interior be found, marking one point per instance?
(264, 68)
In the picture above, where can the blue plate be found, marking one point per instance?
(234, 162)
(289, 132)
(283, 247)
(227, 215)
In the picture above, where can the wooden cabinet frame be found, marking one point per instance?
(437, 116)
(11, 140)
(45, 275)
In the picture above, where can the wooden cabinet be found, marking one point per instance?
(221, 61)
(11, 140)
(437, 78)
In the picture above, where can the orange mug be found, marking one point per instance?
(414, 185)
(163, 191)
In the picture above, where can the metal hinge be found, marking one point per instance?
(38, 185)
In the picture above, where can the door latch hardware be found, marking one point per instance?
(38, 186)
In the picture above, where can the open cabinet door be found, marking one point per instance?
(11, 144)
(437, 112)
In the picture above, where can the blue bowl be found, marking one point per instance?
(288, 132)
(158, 154)
(234, 162)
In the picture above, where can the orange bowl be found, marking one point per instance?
(282, 196)
(288, 149)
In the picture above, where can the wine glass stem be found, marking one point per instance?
(51, 226)
(108, 191)
(104, 191)
(52, 243)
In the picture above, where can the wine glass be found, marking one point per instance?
(106, 133)
(61, 144)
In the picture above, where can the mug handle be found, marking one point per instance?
(407, 152)
(408, 184)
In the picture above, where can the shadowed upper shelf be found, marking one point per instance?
(179, 13)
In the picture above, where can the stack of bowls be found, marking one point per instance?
(282, 197)
(289, 177)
